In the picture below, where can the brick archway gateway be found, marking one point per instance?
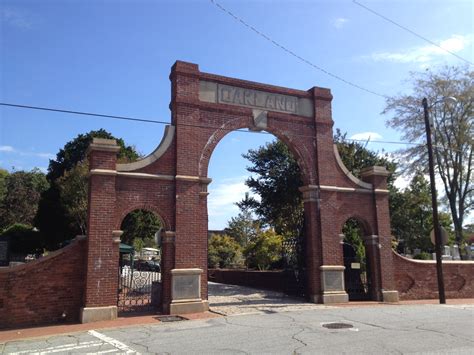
(172, 181)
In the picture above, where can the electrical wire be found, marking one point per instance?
(410, 31)
(292, 53)
(144, 120)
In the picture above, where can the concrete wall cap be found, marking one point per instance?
(155, 155)
(332, 267)
(194, 271)
(346, 171)
(375, 170)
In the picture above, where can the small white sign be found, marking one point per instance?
(355, 265)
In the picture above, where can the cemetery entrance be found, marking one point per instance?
(172, 182)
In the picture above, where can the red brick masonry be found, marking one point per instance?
(40, 292)
(417, 279)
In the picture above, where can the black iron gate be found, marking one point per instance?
(356, 275)
(139, 287)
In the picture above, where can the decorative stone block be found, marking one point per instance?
(186, 292)
(332, 279)
(95, 314)
(186, 284)
(390, 296)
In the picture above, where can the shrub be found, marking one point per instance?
(223, 251)
(423, 256)
(265, 250)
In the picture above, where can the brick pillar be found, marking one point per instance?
(191, 205)
(381, 251)
(167, 264)
(100, 298)
(313, 242)
(331, 266)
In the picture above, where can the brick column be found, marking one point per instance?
(100, 297)
(167, 264)
(313, 242)
(381, 252)
(331, 267)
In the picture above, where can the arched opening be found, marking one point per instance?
(358, 271)
(139, 287)
(259, 241)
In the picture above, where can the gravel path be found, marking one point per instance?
(232, 300)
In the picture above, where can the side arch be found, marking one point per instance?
(120, 215)
(367, 228)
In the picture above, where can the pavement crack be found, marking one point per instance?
(294, 337)
(234, 350)
(456, 336)
(226, 319)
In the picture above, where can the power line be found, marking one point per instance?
(292, 53)
(410, 31)
(144, 120)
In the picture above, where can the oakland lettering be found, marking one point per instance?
(248, 97)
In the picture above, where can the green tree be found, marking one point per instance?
(265, 250)
(73, 195)
(412, 218)
(22, 193)
(58, 217)
(353, 233)
(140, 225)
(276, 179)
(3, 188)
(244, 227)
(453, 131)
(75, 150)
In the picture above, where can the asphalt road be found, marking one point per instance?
(378, 329)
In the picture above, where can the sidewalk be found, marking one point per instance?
(37, 332)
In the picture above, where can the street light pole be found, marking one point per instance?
(434, 203)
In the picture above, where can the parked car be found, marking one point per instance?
(147, 265)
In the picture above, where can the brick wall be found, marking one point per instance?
(276, 280)
(417, 279)
(39, 292)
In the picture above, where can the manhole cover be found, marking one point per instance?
(337, 325)
(170, 318)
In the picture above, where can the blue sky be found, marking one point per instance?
(114, 57)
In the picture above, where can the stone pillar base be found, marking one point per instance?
(334, 297)
(192, 306)
(332, 282)
(390, 296)
(95, 314)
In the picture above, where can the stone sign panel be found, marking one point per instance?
(233, 95)
(186, 284)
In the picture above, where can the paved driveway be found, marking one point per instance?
(232, 300)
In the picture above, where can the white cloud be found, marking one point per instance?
(15, 18)
(6, 148)
(10, 149)
(366, 136)
(222, 198)
(424, 54)
(44, 155)
(340, 22)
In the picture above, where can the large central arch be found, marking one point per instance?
(172, 182)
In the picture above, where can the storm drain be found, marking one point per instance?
(166, 319)
(338, 325)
